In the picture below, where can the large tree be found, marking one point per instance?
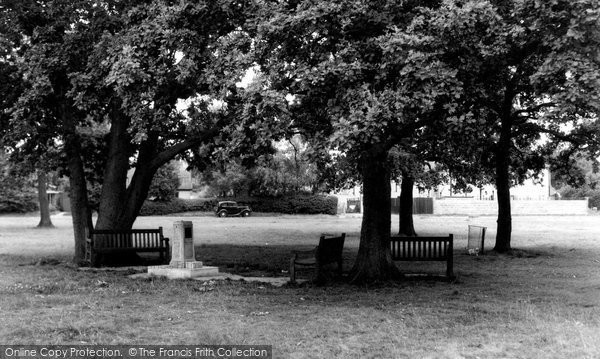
(163, 54)
(369, 76)
(360, 86)
(528, 69)
(54, 40)
(109, 76)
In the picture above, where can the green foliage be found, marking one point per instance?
(17, 202)
(285, 204)
(177, 205)
(165, 183)
(94, 192)
(233, 180)
(299, 204)
(17, 194)
(594, 199)
(289, 171)
(579, 180)
(576, 170)
(358, 81)
(104, 84)
(577, 176)
(568, 192)
(523, 78)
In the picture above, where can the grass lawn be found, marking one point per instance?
(543, 302)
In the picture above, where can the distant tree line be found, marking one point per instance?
(288, 171)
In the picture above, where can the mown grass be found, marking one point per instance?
(542, 302)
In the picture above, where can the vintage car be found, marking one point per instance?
(231, 208)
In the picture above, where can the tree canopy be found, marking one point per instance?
(361, 85)
(105, 85)
(494, 83)
(489, 89)
(530, 73)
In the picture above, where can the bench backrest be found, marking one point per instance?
(134, 238)
(330, 248)
(422, 248)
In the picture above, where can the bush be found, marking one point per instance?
(299, 204)
(594, 199)
(16, 202)
(569, 192)
(177, 205)
(287, 204)
(165, 183)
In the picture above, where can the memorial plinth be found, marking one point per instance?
(183, 259)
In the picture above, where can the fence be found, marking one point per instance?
(421, 205)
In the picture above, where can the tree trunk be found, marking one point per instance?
(504, 222)
(120, 212)
(80, 211)
(374, 259)
(114, 181)
(137, 192)
(407, 227)
(120, 204)
(45, 220)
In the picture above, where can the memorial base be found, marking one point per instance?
(189, 270)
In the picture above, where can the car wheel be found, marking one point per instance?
(222, 214)
(245, 214)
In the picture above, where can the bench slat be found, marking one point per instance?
(424, 249)
(135, 240)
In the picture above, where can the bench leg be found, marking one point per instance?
(292, 271)
(450, 269)
(94, 259)
(321, 274)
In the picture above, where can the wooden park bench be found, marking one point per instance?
(425, 249)
(328, 251)
(129, 241)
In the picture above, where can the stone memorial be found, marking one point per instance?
(183, 259)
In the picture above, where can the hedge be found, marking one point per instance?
(304, 204)
(301, 204)
(16, 202)
(177, 205)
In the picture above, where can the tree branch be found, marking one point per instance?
(559, 135)
(535, 108)
(167, 154)
(405, 131)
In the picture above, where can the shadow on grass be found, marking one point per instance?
(256, 260)
(273, 261)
